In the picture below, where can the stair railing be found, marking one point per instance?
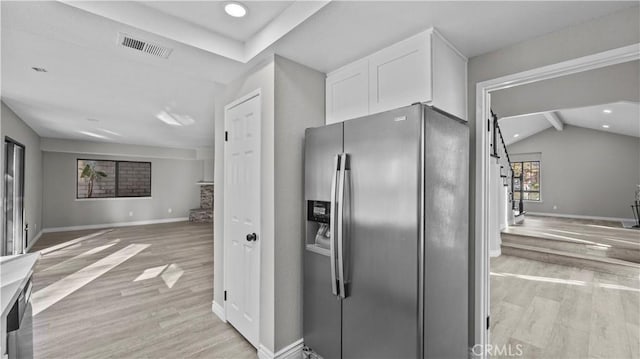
(497, 133)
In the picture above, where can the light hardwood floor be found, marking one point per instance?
(121, 312)
(557, 311)
(602, 246)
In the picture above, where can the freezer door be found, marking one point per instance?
(321, 144)
(381, 314)
(321, 308)
(446, 236)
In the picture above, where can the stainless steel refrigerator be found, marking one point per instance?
(386, 247)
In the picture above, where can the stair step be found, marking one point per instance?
(519, 217)
(577, 246)
(551, 237)
(592, 262)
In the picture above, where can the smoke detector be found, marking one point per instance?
(143, 45)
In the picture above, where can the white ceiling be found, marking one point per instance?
(523, 126)
(90, 76)
(344, 31)
(623, 119)
(210, 15)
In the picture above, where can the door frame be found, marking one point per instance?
(482, 213)
(226, 201)
(3, 225)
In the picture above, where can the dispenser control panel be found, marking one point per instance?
(318, 211)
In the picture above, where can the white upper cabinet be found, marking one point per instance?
(423, 68)
(400, 74)
(348, 92)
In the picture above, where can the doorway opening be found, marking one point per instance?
(15, 231)
(486, 175)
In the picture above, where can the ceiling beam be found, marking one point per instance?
(554, 120)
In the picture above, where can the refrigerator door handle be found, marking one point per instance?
(332, 226)
(340, 225)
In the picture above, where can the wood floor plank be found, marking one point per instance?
(116, 316)
(566, 342)
(536, 321)
(608, 331)
(633, 334)
(595, 318)
(575, 309)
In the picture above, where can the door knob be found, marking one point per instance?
(252, 237)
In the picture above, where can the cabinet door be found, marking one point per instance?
(348, 92)
(449, 78)
(400, 75)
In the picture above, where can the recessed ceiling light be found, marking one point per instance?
(516, 135)
(607, 111)
(235, 9)
(605, 126)
(39, 69)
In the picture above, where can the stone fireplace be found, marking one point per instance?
(204, 214)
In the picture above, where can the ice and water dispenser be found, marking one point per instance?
(318, 219)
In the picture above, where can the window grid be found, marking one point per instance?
(531, 180)
(113, 179)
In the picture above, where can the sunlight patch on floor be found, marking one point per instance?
(73, 241)
(150, 273)
(57, 291)
(171, 275)
(82, 255)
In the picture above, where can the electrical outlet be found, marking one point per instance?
(555, 207)
(130, 214)
(170, 210)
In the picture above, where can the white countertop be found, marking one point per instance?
(14, 273)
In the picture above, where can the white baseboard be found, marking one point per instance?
(218, 310)
(117, 224)
(34, 240)
(561, 215)
(291, 351)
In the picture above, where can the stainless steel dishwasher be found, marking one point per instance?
(20, 326)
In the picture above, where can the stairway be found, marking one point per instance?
(595, 247)
(501, 155)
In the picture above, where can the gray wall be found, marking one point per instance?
(106, 148)
(19, 131)
(584, 172)
(173, 185)
(299, 103)
(601, 34)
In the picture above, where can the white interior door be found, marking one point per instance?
(242, 215)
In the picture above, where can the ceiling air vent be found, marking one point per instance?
(144, 46)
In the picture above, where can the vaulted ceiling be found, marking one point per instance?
(96, 89)
(622, 118)
(608, 96)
